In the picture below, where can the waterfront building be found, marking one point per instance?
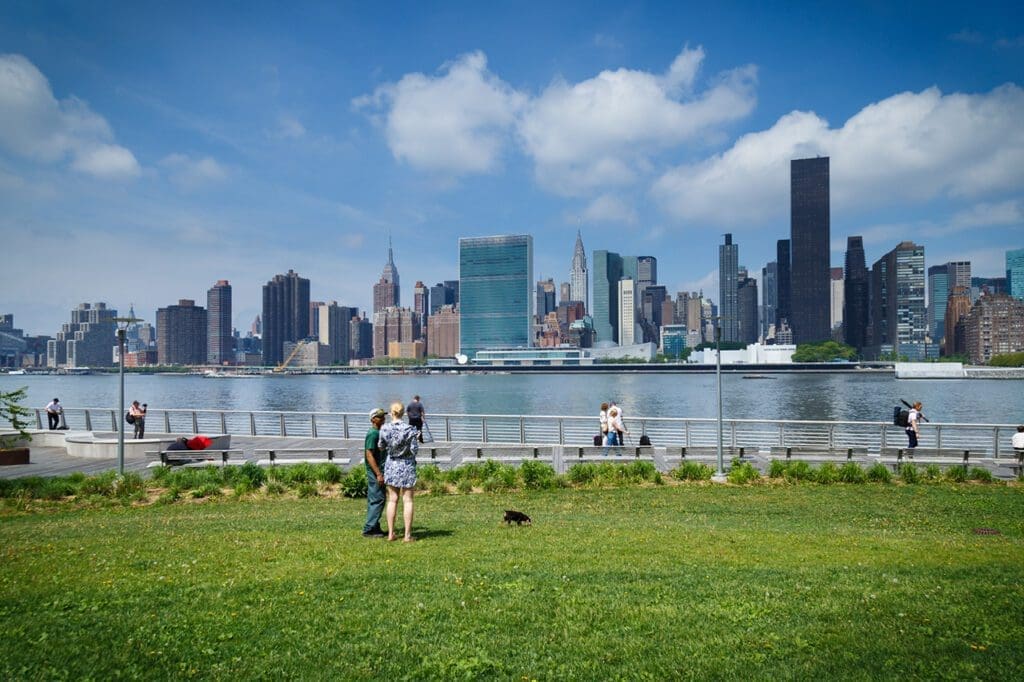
(769, 297)
(285, 314)
(310, 354)
(809, 240)
(728, 289)
(87, 341)
(746, 307)
(673, 340)
(219, 340)
(387, 292)
(335, 332)
(579, 282)
(958, 305)
(605, 311)
(1015, 273)
(784, 295)
(753, 354)
(391, 325)
(181, 334)
(314, 319)
(443, 332)
(836, 290)
(545, 298)
(941, 280)
(629, 331)
(855, 294)
(995, 326)
(12, 343)
(361, 339)
(496, 280)
(898, 319)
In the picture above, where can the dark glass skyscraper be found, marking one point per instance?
(181, 334)
(495, 292)
(285, 314)
(855, 294)
(607, 273)
(809, 237)
(728, 289)
(784, 295)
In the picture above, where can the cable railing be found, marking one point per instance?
(985, 440)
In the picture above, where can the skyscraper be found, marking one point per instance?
(784, 298)
(728, 289)
(421, 300)
(809, 238)
(387, 292)
(855, 294)
(545, 298)
(746, 308)
(957, 308)
(578, 275)
(898, 320)
(769, 296)
(836, 290)
(495, 292)
(219, 339)
(941, 281)
(87, 341)
(181, 334)
(285, 314)
(335, 331)
(605, 313)
(1015, 273)
(629, 332)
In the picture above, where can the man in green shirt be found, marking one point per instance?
(375, 489)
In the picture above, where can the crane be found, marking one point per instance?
(291, 356)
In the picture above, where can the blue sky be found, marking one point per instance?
(150, 149)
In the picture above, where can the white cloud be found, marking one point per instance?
(456, 122)
(190, 174)
(291, 127)
(35, 125)
(609, 209)
(604, 131)
(908, 147)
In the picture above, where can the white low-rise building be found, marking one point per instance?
(754, 354)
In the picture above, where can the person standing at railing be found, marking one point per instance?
(138, 415)
(375, 491)
(617, 425)
(399, 440)
(416, 412)
(913, 420)
(53, 412)
(602, 417)
(1018, 442)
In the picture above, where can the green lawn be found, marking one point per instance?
(688, 581)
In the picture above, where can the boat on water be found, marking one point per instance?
(757, 376)
(17, 372)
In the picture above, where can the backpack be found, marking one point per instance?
(129, 418)
(900, 417)
(645, 440)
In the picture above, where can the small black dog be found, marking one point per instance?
(519, 517)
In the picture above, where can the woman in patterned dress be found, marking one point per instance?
(400, 442)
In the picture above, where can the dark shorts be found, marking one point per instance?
(416, 422)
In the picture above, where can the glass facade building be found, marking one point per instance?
(728, 289)
(607, 273)
(898, 317)
(1015, 273)
(810, 279)
(855, 294)
(495, 292)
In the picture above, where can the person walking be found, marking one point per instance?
(138, 414)
(616, 424)
(53, 412)
(375, 491)
(400, 445)
(602, 417)
(913, 428)
(416, 412)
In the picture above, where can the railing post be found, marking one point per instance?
(344, 425)
(312, 425)
(284, 429)
(447, 430)
(113, 419)
(195, 422)
(561, 432)
(483, 429)
(831, 436)
(732, 434)
(39, 419)
(782, 435)
(995, 443)
(88, 421)
(223, 423)
(884, 444)
(687, 423)
(522, 431)
(167, 421)
(252, 424)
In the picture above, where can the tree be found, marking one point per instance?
(14, 413)
(826, 351)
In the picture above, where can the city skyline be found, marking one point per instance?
(147, 152)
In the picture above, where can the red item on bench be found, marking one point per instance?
(199, 443)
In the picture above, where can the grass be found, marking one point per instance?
(689, 580)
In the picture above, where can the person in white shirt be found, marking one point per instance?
(1018, 441)
(913, 430)
(53, 411)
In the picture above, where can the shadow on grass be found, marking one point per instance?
(426, 533)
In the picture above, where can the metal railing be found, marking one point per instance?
(983, 440)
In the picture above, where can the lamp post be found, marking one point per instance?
(122, 330)
(719, 476)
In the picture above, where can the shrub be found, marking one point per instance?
(161, 472)
(328, 472)
(879, 473)
(658, 478)
(909, 473)
(693, 471)
(799, 471)
(253, 474)
(278, 488)
(465, 486)
(777, 469)
(57, 489)
(129, 484)
(851, 472)
(582, 474)
(243, 488)
(170, 495)
(207, 490)
(827, 473)
(981, 474)
(743, 473)
(354, 483)
(502, 477)
(956, 474)
(429, 473)
(638, 471)
(538, 475)
(307, 490)
(102, 484)
(932, 472)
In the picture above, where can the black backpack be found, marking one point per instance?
(645, 440)
(129, 418)
(900, 417)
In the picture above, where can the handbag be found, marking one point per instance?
(129, 418)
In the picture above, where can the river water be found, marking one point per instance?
(848, 396)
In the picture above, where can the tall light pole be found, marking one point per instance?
(122, 329)
(720, 474)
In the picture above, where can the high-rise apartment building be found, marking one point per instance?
(496, 292)
(958, 306)
(181, 334)
(421, 300)
(898, 320)
(995, 326)
(769, 296)
(605, 311)
(578, 275)
(87, 341)
(728, 289)
(387, 292)
(809, 241)
(784, 296)
(545, 298)
(361, 339)
(941, 281)
(394, 325)
(285, 314)
(442, 294)
(564, 292)
(220, 342)
(1015, 273)
(443, 333)
(629, 330)
(746, 308)
(646, 271)
(855, 294)
(335, 331)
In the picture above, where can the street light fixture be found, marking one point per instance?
(122, 328)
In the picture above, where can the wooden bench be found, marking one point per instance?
(895, 457)
(295, 456)
(823, 454)
(612, 452)
(194, 458)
